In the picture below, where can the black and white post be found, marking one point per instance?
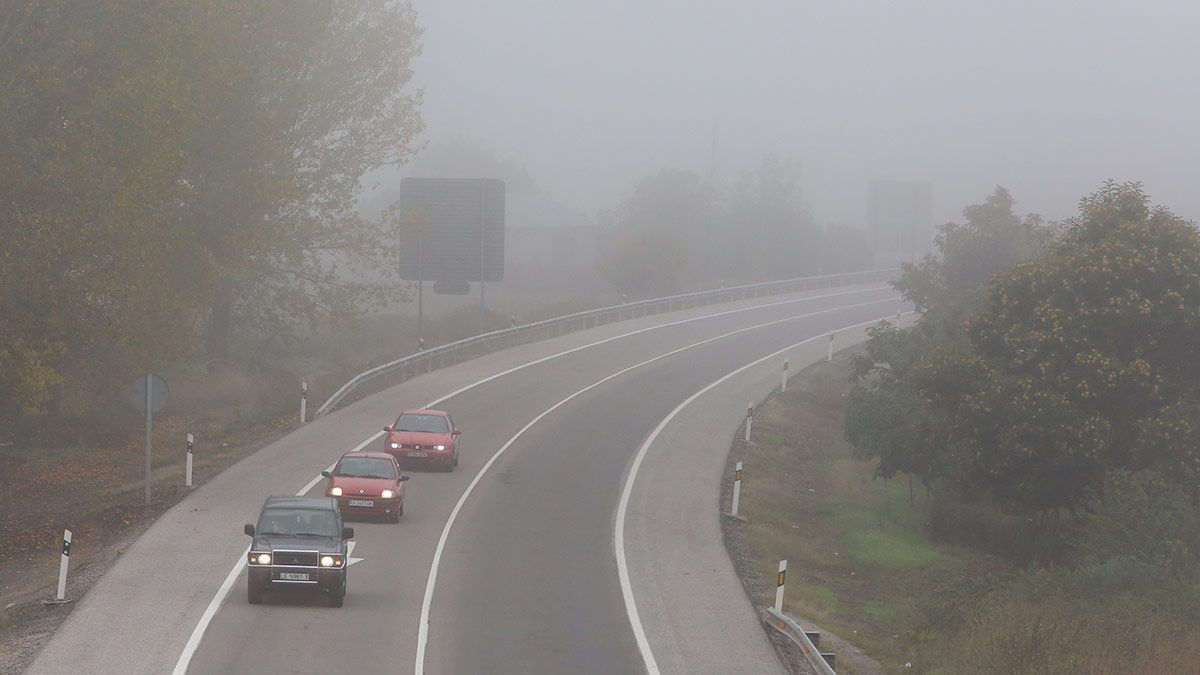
(61, 595)
(303, 402)
(749, 419)
(737, 489)
(829, 357)
(783, 382)
(187, 472)
(779, 585)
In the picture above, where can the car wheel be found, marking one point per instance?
(395, 517)
(254, 594)
(456, 459)
(337, 599)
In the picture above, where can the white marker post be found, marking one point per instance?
(829, 357)
(513, 318)
(61, 596)
(779, 585)
(303, 402)
(737, 489)
(783, 383)
(187, 475)
(749, 419)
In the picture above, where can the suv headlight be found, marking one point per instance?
(331, 561)
(335, 492)
(387, 494)
(257, 558)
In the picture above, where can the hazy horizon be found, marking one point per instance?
(1045, 99)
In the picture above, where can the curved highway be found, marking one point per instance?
(506, 565)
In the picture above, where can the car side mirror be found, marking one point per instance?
(326, 474)
(248, 529)
(404, 478)
(347, 533)
(456, 432)
(387, 428)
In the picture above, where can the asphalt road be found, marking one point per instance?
(527, 580)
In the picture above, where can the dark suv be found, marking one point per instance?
(299, 543)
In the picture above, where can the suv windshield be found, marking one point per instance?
(298, 522)
(366, 467)
(434, 424)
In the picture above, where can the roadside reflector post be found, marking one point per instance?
(737, 489)
(779, 585)
(749, 419)
(783, 383)
(187, 474)
(513, 318)
(303, 402)
(897, 316)
(829, 357)
(60, 595)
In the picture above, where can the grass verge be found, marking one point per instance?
(863, 565)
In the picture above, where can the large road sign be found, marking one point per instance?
(157, 389)
(452, 229)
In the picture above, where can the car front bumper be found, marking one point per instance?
(327, 579)
(378, 507)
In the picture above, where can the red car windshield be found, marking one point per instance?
(365, 467)
(432, 424)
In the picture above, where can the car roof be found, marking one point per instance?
(367, 453)
(424, 411)
(292, 501)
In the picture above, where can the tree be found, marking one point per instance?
(991, 239)
(769, 230)
(650, 247)
(315, 101)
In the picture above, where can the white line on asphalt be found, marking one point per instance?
(627, 489)
(639, 634)
(198, 632)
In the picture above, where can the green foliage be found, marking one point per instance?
(1057, 370)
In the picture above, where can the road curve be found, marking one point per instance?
(527, 581)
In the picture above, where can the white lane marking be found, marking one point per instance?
(426, 602)
(627, 489)
(350, 552)
(193, 642)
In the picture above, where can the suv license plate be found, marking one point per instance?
(294, 576)
(418, 454)
(361, 502)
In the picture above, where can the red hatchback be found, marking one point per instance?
(367, 483)
(428, 436)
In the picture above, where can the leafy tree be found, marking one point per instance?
(769, 231)
(992, 239)
(654, 233)
(1084, 350)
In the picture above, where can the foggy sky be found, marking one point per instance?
(1046, 98)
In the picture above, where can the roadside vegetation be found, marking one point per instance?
(1010, 485)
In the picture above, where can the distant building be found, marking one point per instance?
(548, 246)
(900, 220)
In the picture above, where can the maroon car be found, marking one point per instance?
(368, 484)
(425, 436)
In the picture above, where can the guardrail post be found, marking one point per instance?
(749, 419)
(737, 490)
(783, 379)
(779, 583)
(187, 474)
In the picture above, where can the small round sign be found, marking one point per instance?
(150, 388)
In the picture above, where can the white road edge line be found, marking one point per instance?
(627, 489)
(210, 611)
(427, 601)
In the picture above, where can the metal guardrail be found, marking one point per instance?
(822, 663)
(468, 348)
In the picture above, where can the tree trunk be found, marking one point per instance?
(220, 327)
